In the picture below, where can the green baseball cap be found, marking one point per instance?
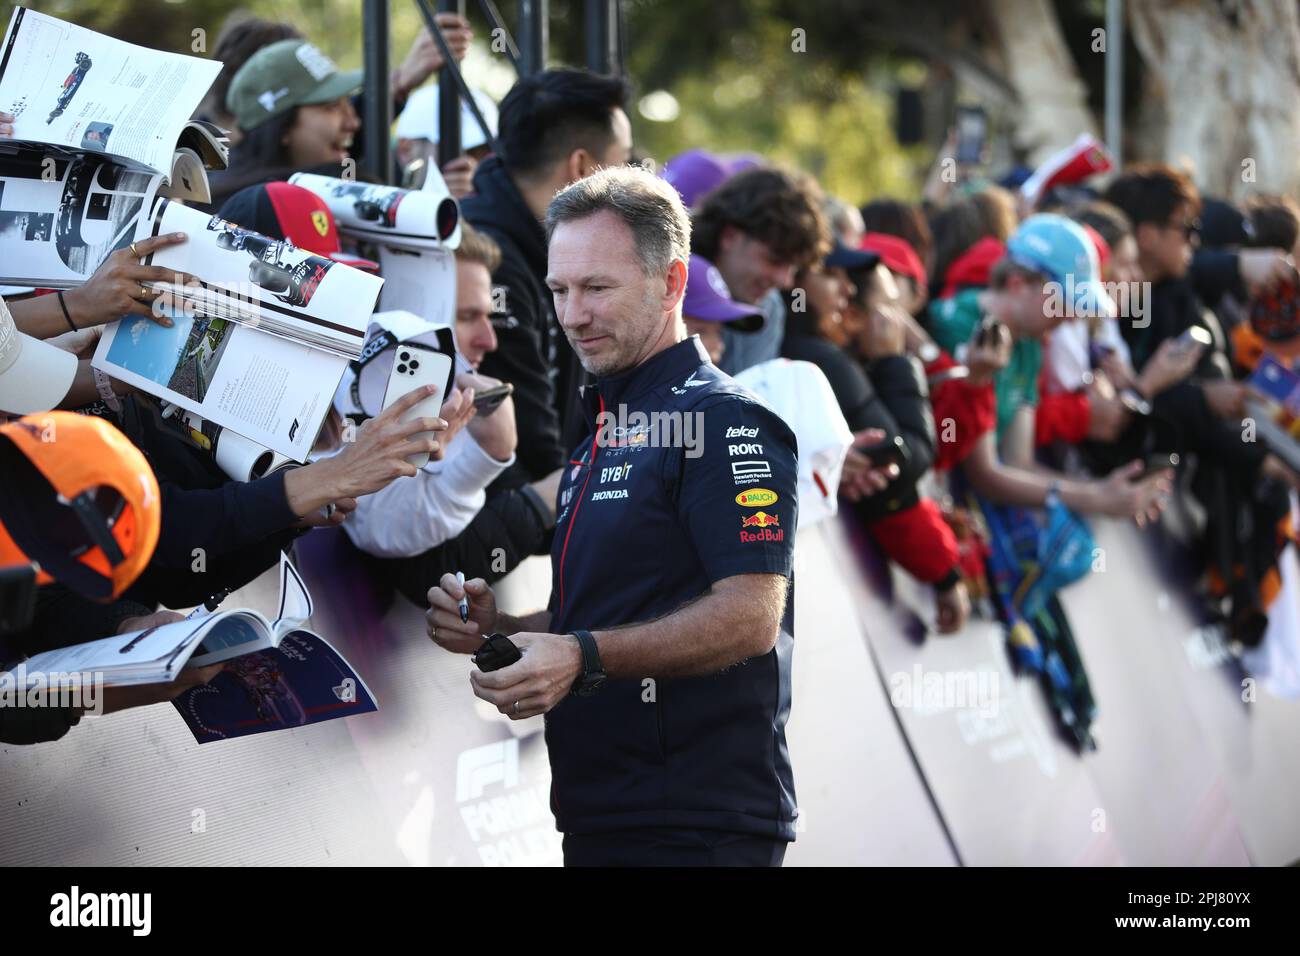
(283, 75)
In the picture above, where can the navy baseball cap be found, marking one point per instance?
(842, 257)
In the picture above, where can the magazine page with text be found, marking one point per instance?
(61, 217)
(269, 283)
(272, 391)
(80, 90)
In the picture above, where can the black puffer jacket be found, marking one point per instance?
(890, 394)
(532, 352)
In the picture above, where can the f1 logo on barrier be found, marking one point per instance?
(492, 763)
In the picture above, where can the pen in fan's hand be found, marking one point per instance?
(464, 597)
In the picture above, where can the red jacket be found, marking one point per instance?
(1061, 417)
(919, 541)
(962, 414)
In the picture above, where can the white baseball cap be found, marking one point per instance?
(34, 376)
(419, 120)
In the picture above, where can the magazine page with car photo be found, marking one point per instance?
(411, 218)
(271, 390)
(60, 217)
(79, 90)
(269, 283)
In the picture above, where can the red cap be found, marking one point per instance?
(1101, 245)
(308, 224)
(897, 254)
(973, 266)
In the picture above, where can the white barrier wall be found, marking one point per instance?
(1185, 773)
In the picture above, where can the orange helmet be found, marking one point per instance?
(79, 501)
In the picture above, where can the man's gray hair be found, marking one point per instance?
(650, 207)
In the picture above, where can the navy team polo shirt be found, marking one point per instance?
(642, 530)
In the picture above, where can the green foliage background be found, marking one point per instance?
(735, 70)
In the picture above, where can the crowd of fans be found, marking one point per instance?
(1032, 357)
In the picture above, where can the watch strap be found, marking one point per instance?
(591, 666)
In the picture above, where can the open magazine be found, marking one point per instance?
(422, 281)
(413, 218)
(61, 216)
(101, 128)
(1273, 403)
(277, 673)
(258, 345)
(270, 390)
(251, 279)
(74, 89)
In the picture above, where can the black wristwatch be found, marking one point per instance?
(593, 672)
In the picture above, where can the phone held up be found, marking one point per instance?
(414, 366)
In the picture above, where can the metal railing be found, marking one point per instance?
(604, 49)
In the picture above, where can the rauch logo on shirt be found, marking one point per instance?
(757, 497)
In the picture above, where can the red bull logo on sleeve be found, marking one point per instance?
(768, 527)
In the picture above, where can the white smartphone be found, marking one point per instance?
(415, 366)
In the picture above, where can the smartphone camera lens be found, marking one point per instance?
(401, 370)
(405, 356)
(414, 365)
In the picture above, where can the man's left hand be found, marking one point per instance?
(536, 682)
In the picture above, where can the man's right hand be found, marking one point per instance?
(989, 353)
(495, 433)
(1127, 493)
(1172, 363)
(859, 478)
(373, 461)
(458, 174)
(445, 627)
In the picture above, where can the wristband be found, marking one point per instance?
(1053, 496)
(64, 306)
